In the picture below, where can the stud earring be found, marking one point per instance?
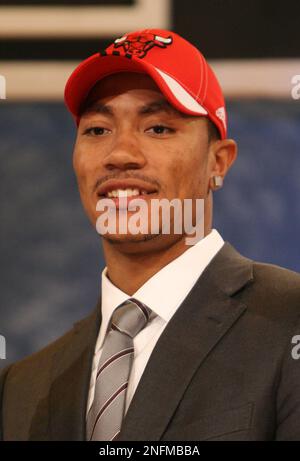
(218, 181)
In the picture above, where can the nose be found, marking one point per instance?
(125, 153)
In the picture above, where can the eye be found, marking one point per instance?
(96, 131)
(160, 129)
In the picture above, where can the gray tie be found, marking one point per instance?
(107, 411)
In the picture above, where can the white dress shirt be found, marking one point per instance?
(163, 293)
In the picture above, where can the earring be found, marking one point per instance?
(218, 181)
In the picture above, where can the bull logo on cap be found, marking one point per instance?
(138, 44)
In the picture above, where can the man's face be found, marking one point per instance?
(129, 132)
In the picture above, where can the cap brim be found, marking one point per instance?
(95, 68)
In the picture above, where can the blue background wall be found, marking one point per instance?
(50, 256)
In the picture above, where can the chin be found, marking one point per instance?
(128, 238)
(140, 244)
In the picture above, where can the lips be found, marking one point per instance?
(137, 189)
(122, 192)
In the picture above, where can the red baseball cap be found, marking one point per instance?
(176, 66)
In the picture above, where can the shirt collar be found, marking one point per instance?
(164, 291)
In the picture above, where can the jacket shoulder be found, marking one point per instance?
(271, 272)
(277, 282)
(274, 294)
(42, 359)
(269, 291)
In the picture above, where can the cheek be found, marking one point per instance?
(187, 169)
(77, 159)
(83, 171)
(82, 166)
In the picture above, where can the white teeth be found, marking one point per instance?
(124, 193)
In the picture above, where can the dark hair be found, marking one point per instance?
(213, 132)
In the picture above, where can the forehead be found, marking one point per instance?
(134, 92)
(123, 83)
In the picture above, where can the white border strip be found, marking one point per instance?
(97, 21)
(44, 80)
(262, 78)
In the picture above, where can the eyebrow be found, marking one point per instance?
(156, 106)
(152, 108)
(97, 108)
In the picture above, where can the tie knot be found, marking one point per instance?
(130, 317)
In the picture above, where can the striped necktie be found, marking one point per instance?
(107, 411)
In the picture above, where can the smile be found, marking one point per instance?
(117, 193)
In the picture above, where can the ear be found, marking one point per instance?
(222, 154)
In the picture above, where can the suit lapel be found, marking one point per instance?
(204, 317)
(71, 373)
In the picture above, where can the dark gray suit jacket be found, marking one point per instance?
(221, 370)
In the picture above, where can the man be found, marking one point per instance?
(188, 342)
